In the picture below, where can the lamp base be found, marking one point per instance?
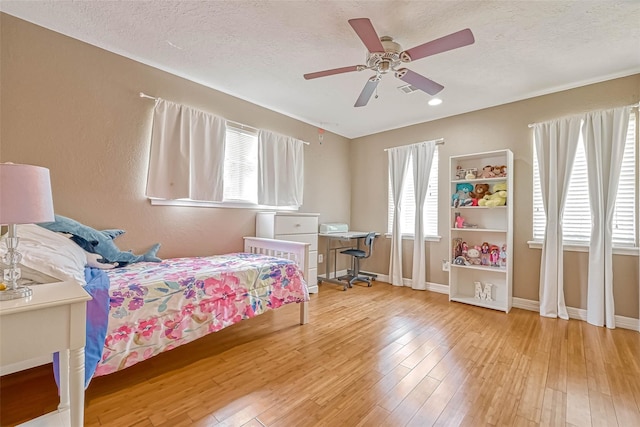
(18, 292)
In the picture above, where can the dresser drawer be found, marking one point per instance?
(312, 239)
(293, 224)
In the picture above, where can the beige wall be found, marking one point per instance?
(74, 109)
(500, 127)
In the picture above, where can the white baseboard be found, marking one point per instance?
(337, 274)
(25, 364)
(433, 287)
(578, 313)
(531, 305)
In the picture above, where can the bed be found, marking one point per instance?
(146, 308)
(155, 307)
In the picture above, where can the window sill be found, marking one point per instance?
(234, 205)
(410, 237)
(584, 248)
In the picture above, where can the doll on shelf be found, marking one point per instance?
(465, 249)
(494, 256)
(484, 254)
(503, 255)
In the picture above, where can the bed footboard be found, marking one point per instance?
(294, 251)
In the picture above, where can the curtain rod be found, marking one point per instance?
(439, 141)
(237, 124)
(637, 104)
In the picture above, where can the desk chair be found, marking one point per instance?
(357, 255)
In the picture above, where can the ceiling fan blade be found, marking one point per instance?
(332, 72)
(364, 29)
(419, 81)
(443, 44)
(366, 93)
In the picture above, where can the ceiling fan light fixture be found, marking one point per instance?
(384, 55)
(435, 101)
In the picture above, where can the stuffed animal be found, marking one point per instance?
(498, 198)
(487, 172)
(461, 197)
(480, 191)
(473, 255)
(99, 242)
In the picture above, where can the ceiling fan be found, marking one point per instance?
(385, 55)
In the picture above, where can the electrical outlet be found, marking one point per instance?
(445, 265)
(320, 258)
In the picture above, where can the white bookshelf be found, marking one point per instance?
(493, 225)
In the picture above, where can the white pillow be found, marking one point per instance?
(49, 253)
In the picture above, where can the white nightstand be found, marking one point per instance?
(53, 319)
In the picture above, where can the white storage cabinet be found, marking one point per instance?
(295, 227)
(483, 285)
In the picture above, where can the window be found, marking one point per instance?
(409, 206)
(576, 221)
(240, 166)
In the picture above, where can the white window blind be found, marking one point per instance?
(576, 221)
(409, 205)
(241, 166)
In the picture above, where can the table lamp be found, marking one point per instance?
(25, 198)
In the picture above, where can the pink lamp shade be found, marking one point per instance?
(25, 194)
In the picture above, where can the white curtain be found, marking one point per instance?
(280, 170)
(398, 165)
(422, 161)
(556, 144)
(604, 134)
(187, 154)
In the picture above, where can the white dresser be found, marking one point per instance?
(295, 227)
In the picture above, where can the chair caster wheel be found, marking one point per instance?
(369, 285)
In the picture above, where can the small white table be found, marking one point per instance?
(52, 319)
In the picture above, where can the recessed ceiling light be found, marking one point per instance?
(435, 101)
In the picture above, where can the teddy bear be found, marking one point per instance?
(498, 198)
(480, 191)
(461, 196)
(487, 172)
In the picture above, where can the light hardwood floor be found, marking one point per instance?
(380, 356)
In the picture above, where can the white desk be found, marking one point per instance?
(345, 236)
(52, 319)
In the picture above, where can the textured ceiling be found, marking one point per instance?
(259, 50)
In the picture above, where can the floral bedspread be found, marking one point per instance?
(155, 307)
